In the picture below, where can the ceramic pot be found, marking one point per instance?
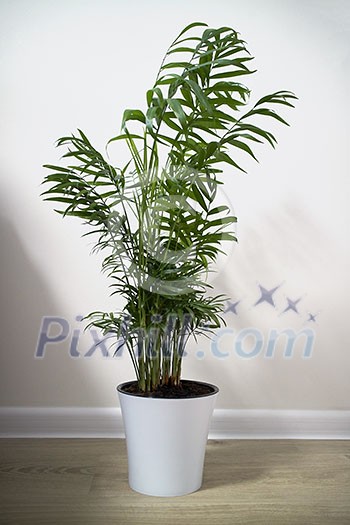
(166, 440)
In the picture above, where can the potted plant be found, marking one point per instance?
(157, 220)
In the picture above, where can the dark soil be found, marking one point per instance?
(186, 389)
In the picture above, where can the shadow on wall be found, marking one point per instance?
(287, 239)
(287, 249)
(25, 299)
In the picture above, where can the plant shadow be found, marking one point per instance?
(26, 298)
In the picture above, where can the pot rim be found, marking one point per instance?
(214, 388)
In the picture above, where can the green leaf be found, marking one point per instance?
(258, 131)
(218, 209)
(190, 26)
(154, 91)
(207, 124)
(133, 114)
(177, 109)
(220, 222)
(173, 65)
(278, 97)
(181, 50)
(223, 157)
(230, 74)
(199, 197)
(124, 136)
(56, 168)
(169, 122)
(268, 113)
(59, 199)
(241, 145)
(202, 99)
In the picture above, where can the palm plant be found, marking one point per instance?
(156, 218)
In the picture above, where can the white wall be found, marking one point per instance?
(78, 63)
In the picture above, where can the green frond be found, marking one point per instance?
(156, 218)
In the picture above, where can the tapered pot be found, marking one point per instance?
(166, 440)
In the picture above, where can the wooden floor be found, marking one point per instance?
(84, 481)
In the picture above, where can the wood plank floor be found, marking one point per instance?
(84, 481)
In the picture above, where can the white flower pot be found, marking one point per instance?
(166, 440)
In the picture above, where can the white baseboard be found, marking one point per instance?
(280, 424)
(76, 422)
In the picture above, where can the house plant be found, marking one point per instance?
(157, 220)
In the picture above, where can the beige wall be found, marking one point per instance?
(79, 64)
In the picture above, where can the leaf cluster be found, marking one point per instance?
(159, 224)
